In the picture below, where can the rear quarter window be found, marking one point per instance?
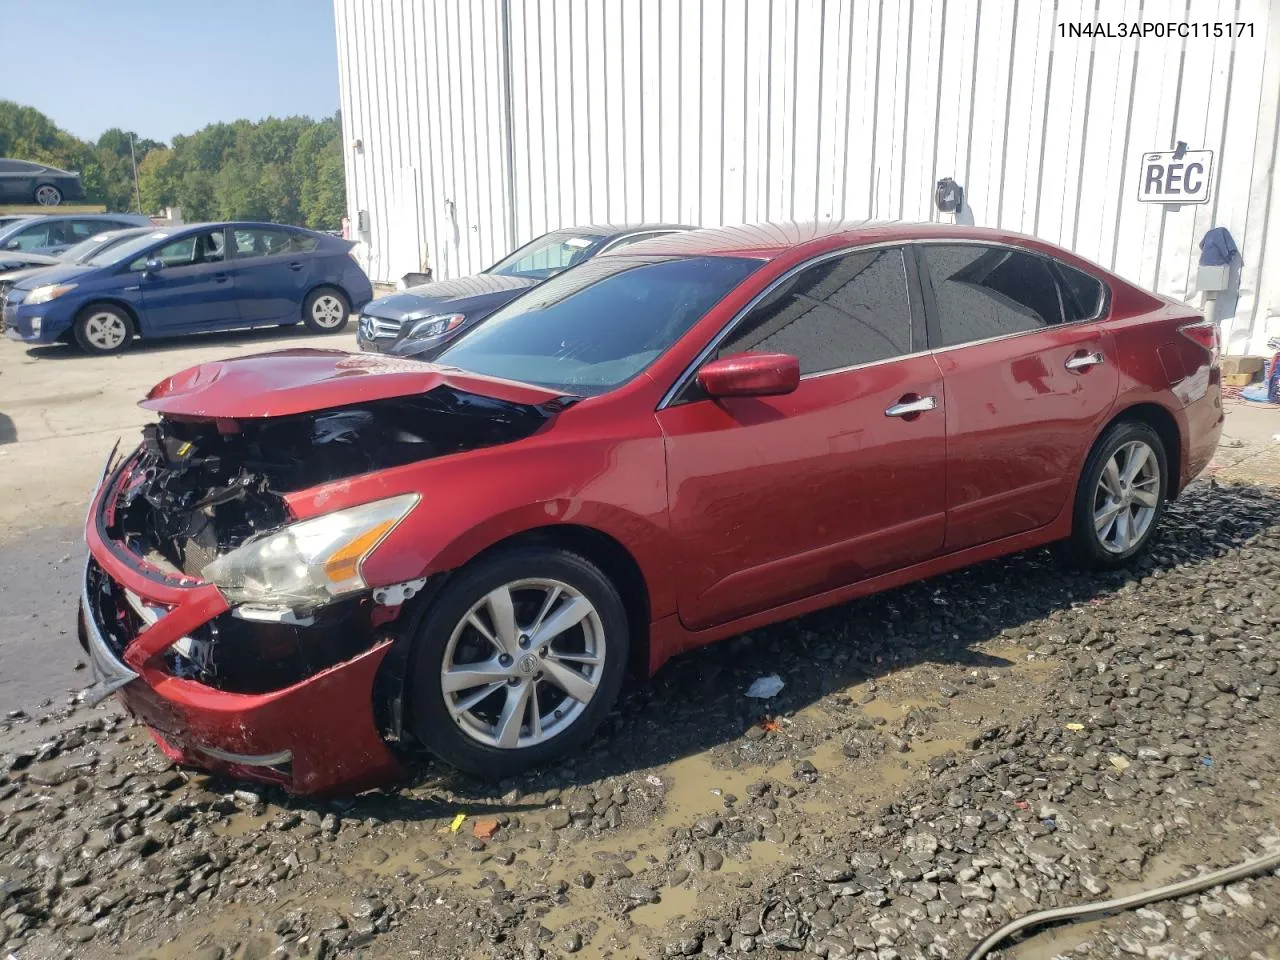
(1086, 296)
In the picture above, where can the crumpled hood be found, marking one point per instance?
(484, 291)
(298, 381)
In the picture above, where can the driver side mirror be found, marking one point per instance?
(154, 266)
(750, 375)
(13, 245)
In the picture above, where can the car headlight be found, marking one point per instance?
(50, 291)
(309, 562)
(435, 326)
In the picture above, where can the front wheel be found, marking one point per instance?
(102, 328)
(1121, 497)
(47, 195)
(518, 660)
(326, 310)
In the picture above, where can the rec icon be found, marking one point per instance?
(1176, 176)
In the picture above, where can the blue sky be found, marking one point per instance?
(161, 67)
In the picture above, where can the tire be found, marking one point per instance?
(47, 195)
(469, 733)
(102, 328)
(1097, 539)
(326, 310)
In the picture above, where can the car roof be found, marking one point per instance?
(767, 241)
(123, 232)
(611, 231)
(246, 224)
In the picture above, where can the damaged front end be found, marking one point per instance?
(254, 637)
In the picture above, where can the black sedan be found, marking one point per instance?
(23, 181)
(421, 321)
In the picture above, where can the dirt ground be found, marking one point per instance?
(942, 758)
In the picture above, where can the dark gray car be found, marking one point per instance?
(24, 181)
(423, 320)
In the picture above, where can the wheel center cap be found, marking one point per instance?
(527, 665)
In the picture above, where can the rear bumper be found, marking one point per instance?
(1204, 420)
(315, 736)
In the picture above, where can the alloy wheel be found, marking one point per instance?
(106, 331)
(48, 196)
(523, 663)
(1126, 498)
(327, 311)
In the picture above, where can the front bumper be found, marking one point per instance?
(19, 320)
(380, 335)
(377, 334)
(318, 735)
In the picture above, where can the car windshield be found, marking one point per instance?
(548, 255)
(597, 326)
(124, 251)
(86, 248)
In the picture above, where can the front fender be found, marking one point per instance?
(473, 501)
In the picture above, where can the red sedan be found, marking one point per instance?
(316, 560)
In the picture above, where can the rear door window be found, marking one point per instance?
(988, 292)
(262, 242)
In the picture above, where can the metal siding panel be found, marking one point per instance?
(575, 57)
(923, 89)
(1199, 125)
(1102, 167)
(668, 106)
(713, 111)
(733, 184)
(1064, 122)
(1257, 314)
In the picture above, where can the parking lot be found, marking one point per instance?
(941, 758)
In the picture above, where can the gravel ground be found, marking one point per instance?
(943, 758)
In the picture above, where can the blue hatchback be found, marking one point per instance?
(191, 279)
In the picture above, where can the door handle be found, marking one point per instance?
(296, 265)
(908, 408)
(220, 278)
(1083, 361)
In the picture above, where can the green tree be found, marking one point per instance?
(156, 180)
(283, 169)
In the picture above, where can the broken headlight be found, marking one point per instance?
(310, 562)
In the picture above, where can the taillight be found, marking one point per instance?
(1203, 332)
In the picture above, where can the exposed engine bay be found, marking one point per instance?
(202, 487)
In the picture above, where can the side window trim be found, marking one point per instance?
(933, 324)
(629, 238)
(679, 389)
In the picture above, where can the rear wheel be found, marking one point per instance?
(326, 310)
(518, 660)
(1121, 497)
(47, 195)
(103, 328)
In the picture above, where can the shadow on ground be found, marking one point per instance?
(696, 702)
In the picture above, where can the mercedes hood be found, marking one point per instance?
(467, 295)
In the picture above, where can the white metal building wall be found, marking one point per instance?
(726, 111)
